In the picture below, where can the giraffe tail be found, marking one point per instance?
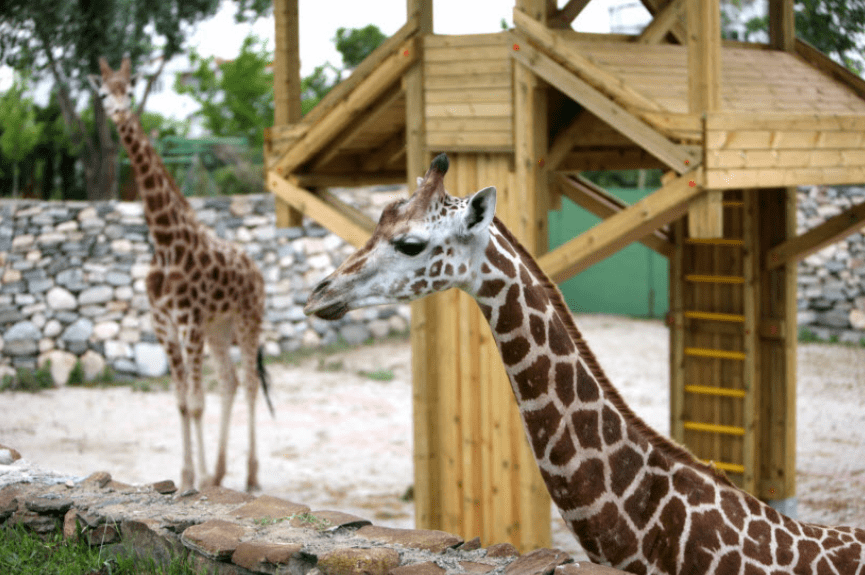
(265, 379)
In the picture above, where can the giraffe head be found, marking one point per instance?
(428, 243)
(115, 89)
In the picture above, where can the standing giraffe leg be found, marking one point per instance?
(180, 381)
(220, 345)
(249, 351)
(195, 396)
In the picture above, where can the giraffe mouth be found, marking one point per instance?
(331, 312)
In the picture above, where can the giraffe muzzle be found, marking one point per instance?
(317, 304)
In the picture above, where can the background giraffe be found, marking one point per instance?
(201, 289)
(633, 499)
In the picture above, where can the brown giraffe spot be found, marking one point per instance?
(163, 238)
(214, 274)
(154, 201)
(525, 276)
(218, 294)
(636, 567)
(491, 288)
(462, 269)
(691, 484)
(565, 388)
(846, 559)
(486, 310)
(499, 260)
(437, 251)
(538, 330)
(641, 505)
(704, 541)
(808, 551)
(758, 543)
(672, 521)
(510, 313)
(508, 248)
(563, 451)
(616, 540)
(190, 263)
(484, 267)
(542, 424)
(220, 258)
(560, 340)
(823, 567)
(514, 351)
(732, 508)
(136, 145)
(155, 280)
(184, 303)
(658, 460)
(193, 292)
(449, 270)
(783, 547)
(755, 508)
(435, 269)
(204, 259)
(830, 542)
(179, 252)
(587, 387)
(585, 424)
(439, 285)
(532, 381)
(536, 298)
(625, 463)
(730, 563)
(611, 425)
(653, 547)
(580, 489)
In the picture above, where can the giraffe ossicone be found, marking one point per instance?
(201, 290)
(634, 499)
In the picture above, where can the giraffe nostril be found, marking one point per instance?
(321, 287)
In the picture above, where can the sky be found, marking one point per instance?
(221, 36)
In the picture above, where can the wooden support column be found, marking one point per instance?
(286, 87)
(706, 214)
(776, 443)
(782, 25)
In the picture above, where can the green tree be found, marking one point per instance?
(835, 27)
(64, 40)
(236, 97)
(355, 44)
(20, 130)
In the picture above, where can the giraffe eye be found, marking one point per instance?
(409, 247)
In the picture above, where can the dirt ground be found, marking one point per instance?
(342, 440)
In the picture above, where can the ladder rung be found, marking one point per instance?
(715, 242)
(711, 316)
(715, 279)
(720, 391)
(734, 467)
(714, 428)
(715, 353)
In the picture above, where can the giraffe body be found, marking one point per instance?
(632, 498)
(201, 289)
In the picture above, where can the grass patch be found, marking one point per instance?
(808, 336)
(24, 553)
(378, 374)
(29, 380)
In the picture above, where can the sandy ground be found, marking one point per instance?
(341, 440)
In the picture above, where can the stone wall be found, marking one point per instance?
(224, 532)
(72, 282)
(831, 289)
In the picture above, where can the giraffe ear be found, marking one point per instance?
(480, 210)
(419, 181)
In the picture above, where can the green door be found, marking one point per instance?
(632, 282)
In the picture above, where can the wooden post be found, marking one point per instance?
(782, 25)
(286, 87)
(706, 214)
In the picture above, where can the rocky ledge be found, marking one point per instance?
(226, 532)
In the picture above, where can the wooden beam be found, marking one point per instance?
(324, 208)
(567, 138)
(704, 55)
(705, 216)
(818, 237)
(347, 110)
(663, 22)
(632, 158)
(567, 13)
(619, 230)
(352, 180)
(368, 118)
(678, 30)
(568, 55)
(673, 155)
(392, 149)
(782, 25)
(286, 88)
(599, 202)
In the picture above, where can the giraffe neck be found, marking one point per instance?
(601, 463)
(169, 216)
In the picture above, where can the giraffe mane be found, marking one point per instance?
(664, 445)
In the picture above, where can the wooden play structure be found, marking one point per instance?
(733, 125)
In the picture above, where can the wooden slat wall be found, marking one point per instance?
(486, 483)
(760, 150)
(469, 94)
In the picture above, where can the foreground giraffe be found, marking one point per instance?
(633, 499)
(200, 288)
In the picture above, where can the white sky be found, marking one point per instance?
(319, 20)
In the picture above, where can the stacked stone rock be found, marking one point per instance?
(831, 282)
(72, 282)
(222, 531)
